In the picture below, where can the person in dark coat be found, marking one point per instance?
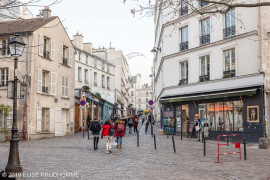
(95, 127)
(149, 121)
(135, 124)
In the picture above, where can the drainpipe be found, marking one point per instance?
(25, 120)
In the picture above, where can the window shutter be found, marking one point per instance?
(39, 116)
(53, 83)
(39, 81)
(63, 86)
(72, 115)
(61, 53)
(51, 120)
(52, 49)
(70, 57)
(41, 44)
(66, 90)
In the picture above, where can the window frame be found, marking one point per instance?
(4, 83)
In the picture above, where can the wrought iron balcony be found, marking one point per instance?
(45, 89)
(205, 39)
(229, 32)
(203, 3)
(227, 74)
(184, 46)
(46, 54)
(184, 10)
(204, 78)
(65, 62)
(183, 82)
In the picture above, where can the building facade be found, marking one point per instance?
(46, 108)
(211, 66)
(143, 96)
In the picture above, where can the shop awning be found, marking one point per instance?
(246, 92)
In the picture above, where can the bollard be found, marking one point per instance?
(173, 144)
(138, 139)
(167, 133)
(245, 149)
(152, 130)
(83, 133)
(204, 146)
(227, 139)
(155, 143)
(88, 134)
(202, 137)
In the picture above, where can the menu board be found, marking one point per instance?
(168, 126)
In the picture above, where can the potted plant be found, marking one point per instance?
(5, 131)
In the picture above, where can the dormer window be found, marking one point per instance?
(5, 47)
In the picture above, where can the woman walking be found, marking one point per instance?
(135, 124)
(119, 127)
(130, 124)
(95, 127)
(108, 131)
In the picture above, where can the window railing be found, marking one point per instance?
(183, 82)
(184, 10)
(65, 62)
(227, 74)
(184, 46)
(46, 54)
(203, 3)
(204, 78)
(205, 39)
(45, 89)
(229, 32)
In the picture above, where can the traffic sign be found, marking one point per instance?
(151, 102)
(82, 102)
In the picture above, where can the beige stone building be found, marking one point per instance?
(47, 66)
(143, 96)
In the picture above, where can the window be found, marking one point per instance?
(95, 63)
(86, 76)
(139, 100)
(86, 60)
(103, 66)
(238, 116)
(103, 81)
(45, 120)
(205, 68)
(229, 63)
(46, 52)
(45, 81)
(184, 39)
(5, 47)
(95, 79)
(46, 47)
(108, 69)
(147, 100)
(108, 83)
(80, 55)
(229, 30)
(79, 74)
(65, 55)
(65, 86)
(147, 93)
(184, 8)
(4, 77)
(139, 106)
(184, 73)
(205, 32)
(147, 106)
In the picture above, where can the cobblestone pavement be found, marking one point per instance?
(76, 154)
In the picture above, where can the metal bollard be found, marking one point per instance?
(245, 149)
(202, 137)
(227, 139)
(173, 144)
(167, 133)
(138, 139)
(204, 146)
(88, 134)
(155, 143)
(152, 130)
(83, 133)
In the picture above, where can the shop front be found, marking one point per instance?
(238, 111)
(92, 106)
(107, 111)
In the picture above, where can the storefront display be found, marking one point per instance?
(168, 123)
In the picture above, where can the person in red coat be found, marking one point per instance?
(135, 123)
(106, 132)
(119, 127)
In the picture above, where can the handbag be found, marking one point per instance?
(197, 128)
(114, 142)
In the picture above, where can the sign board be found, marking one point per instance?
(10, 90)
(150, 102)
(82, 102)
(88, 95)
(18, 75)
(82, 106)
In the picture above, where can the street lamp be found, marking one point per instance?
(154, 50)
(16, 45)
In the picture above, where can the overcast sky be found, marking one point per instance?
(105, 21)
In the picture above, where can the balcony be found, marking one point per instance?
(204, 78)
(184, 46)
(183, 82)
(205, 39)
(46, 54)
(228, 74)
(184, 10)
(65, 62)
(229, 32)
(203, 4)
(45, 89)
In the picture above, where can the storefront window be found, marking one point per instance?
(228, 115)
(238, 116)
(202, 111)
(211, 116)
(178, 119)
(219, 116)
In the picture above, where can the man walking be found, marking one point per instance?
(149, 121)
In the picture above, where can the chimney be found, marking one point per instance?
(78, 40)
(46, 13)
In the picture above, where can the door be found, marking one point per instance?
(58, 122)
(77, 118)
(64, 122)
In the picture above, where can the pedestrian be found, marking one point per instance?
(112, 117)
(125, 120)
(135, 124)
(88, 121)
(108, 132)
(130, 125)
(149, 121)
(119, 127)
(95, 127)
(198, 126)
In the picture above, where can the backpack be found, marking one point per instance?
(130, 122)
(111, 131)
(120, 128)
(95, 127)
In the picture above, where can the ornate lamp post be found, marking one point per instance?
(16, 45)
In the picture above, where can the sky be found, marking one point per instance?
(105, 21)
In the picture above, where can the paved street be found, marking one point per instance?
(75, 154)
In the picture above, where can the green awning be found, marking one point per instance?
(247, 92)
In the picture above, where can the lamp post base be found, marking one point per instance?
(14, 165)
